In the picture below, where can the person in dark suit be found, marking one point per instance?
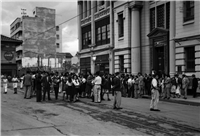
(46, 81)
(194, 86)
(56, 82)
(27, 84)
(38, 85)
(117, 92)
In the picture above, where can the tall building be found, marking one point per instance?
(139, 36)
(40, 36)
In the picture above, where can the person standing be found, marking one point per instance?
(46, 81)
(185, 84)
(27, 84)
(106, 87)
(97, 88)
(38, 85)
(154, 94)
(141, 84)
(15, 81)
(5, 84)
(56, 82)
(167, 84)
(21, 81)
(117, 92)
(194, 86)
(89, 85)
(70, 89)
(76, 83)
(136, 87)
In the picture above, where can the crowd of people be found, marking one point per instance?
(96, 86)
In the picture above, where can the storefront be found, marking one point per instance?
(85, 64)
(8, 55)
(102, 63)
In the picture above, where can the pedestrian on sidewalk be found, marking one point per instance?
(154, 94)
(27, 84)
(5, 83)
(185, 84)
(15, 82)
(117, 92)
(194, 85)
(21, 81)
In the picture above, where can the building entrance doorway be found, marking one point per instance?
(159, 50)
(159, 59)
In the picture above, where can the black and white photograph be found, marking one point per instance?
(100, 67)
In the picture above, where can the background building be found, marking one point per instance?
(8, 55)
(138, 36)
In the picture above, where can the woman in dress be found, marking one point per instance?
(15, 81)
(70, 88)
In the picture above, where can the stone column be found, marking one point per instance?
(84, 10)
(135, 41)
(172, 35)
(111, 52)
(79, 10)
(88, 8)
(92, 36)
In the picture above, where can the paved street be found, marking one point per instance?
(27, 117)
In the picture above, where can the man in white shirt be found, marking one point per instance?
(97, 88)
(154, 94)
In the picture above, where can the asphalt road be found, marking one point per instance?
(21, 116)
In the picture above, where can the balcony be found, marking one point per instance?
(14, 31)
(19, 48)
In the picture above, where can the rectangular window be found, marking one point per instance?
(102, 31)
(57, 28)
(86, 36)
(160, 16)
(120, 25)
(57, 36)
(190, 59)
(121, 63)
(57, 45)
(168, 15)
(152, 19)
(188, 10)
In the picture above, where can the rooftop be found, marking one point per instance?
(8, 39)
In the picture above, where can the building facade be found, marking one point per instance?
(8, 55)
(139, 36)
(42, 39)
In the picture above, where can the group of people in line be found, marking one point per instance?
(96, 86)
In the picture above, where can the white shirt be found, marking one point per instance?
(129, 81)
(97, 80)
(76, 82)
(83, 80)
(154, 82)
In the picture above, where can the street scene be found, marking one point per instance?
(100, 67)
(57, 117)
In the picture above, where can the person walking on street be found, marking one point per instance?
(185, 84)
(38, 85)
(194, 86)
(27, 84)
(15, 81)
(46, 81)
(5, 84)
(117, 92)
(154, 94)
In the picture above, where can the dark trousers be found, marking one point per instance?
(194, 92)
(56, 89)
(48, 93)
(38, 95)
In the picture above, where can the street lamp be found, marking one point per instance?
(94, 58)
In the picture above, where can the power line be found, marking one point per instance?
(63, 22)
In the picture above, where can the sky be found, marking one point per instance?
(65, 9)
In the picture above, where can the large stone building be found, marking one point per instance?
(138, 36)
(40, 36)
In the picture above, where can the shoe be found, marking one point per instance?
(168, 98)
(109, 100)
(119, 108)
(156, 110)
(114, 107)
(49, 99)
(5, 92)
(151, 109)
(184, 97)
